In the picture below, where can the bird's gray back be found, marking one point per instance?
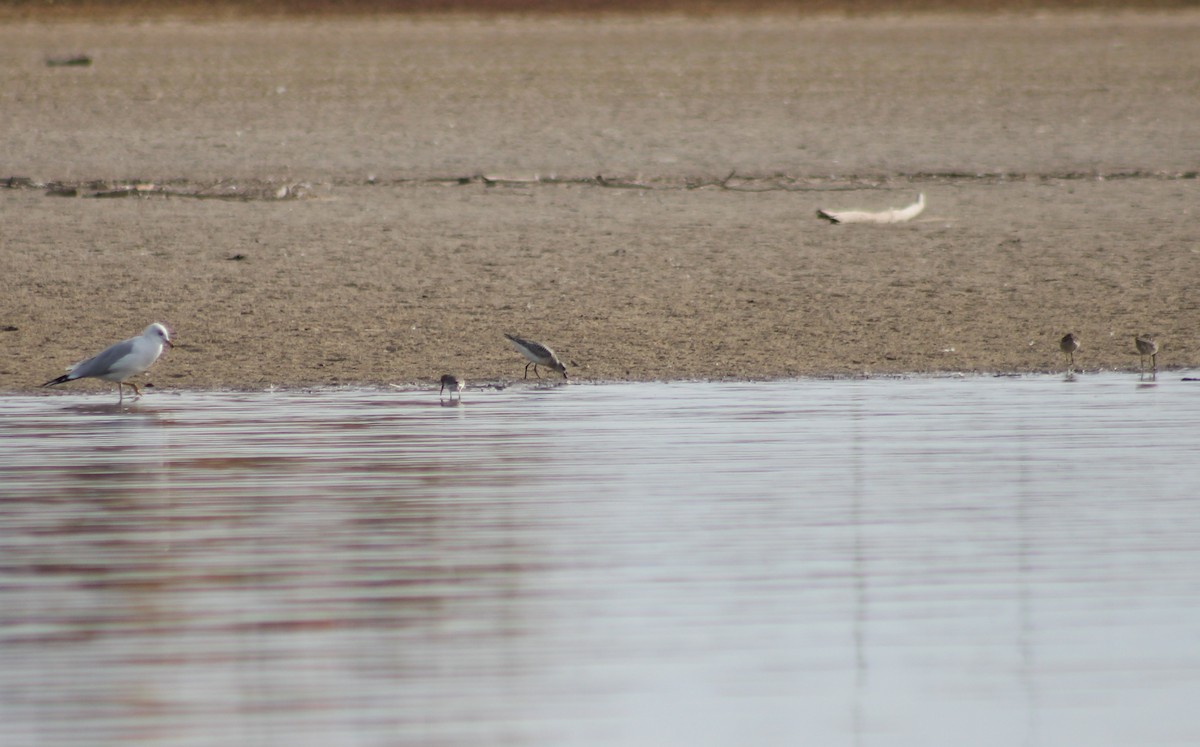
(536, 348)
(104, 362)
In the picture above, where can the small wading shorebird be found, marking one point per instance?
(1147, 346)
(1069, 344)
(537, 355)
(454, 384)
(122, 361)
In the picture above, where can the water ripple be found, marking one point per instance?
(933, 561)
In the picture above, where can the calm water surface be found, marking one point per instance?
(979, 561)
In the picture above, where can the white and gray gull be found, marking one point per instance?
(121, 361)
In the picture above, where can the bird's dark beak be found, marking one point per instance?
(168, 343)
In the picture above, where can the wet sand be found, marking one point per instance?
(376, 200)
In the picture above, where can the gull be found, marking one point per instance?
(1069, 344)
(454, 384)
(121, 361)
(1147, 346)
(537, 355)
(894, 215)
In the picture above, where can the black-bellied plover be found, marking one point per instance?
(121, 361)
(1069, 344)
(1146, 346)
(537, 355)
(454, 384)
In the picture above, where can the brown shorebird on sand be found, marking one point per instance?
(454, 384)
(537, 355)
(1069, 344)
(1147, 346)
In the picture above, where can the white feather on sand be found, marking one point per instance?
(893, 215)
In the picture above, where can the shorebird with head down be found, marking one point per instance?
(537, 355)
(454, 384)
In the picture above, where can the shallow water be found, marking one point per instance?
(983, 561)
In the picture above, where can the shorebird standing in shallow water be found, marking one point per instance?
(121, 361)
(1147, 346)
(537, 355)
(454, 384)
(1069, 344)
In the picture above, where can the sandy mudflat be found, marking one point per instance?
(311, 211)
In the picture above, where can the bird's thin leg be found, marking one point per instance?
(120, 394)
(535, 373)
(136, 391)
(527, 365)
(1154, 362)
